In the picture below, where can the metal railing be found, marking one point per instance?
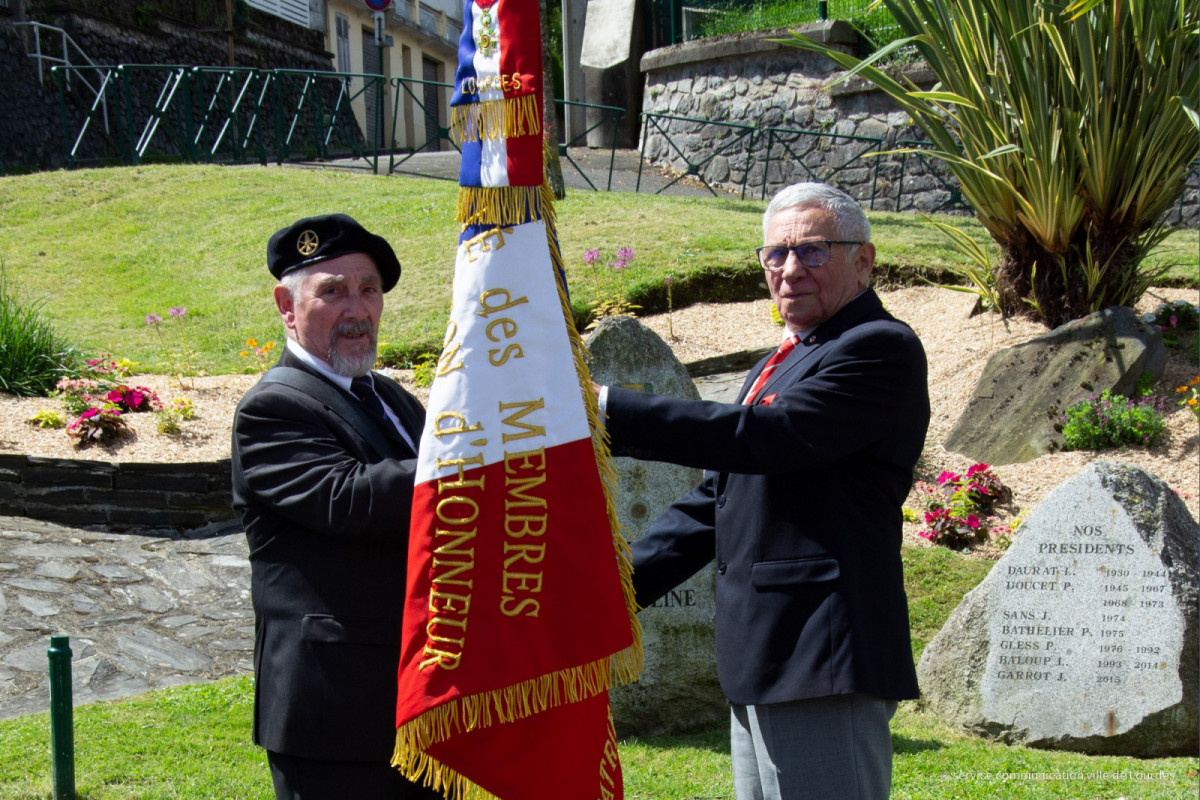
(66, 46)
(206, 114)
(240, 115)
(743, 135)
(779, 156)
(431, 117)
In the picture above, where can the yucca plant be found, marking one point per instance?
(1071, 130)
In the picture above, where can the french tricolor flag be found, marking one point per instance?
(497, 100)
(519, 610)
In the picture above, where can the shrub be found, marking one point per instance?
(98, 426)
(1109, 420)
(956, 510)
(33, 357)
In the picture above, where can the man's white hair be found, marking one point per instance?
(852, 223)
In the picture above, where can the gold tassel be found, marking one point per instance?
(627, 664)
(508, 118)
(499, 205)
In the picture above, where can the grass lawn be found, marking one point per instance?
(193, 742)
(102, 249)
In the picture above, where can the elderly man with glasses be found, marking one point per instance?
(801, 508)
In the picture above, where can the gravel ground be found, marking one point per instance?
(958, 346)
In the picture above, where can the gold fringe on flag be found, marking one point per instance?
(495, 119)
(498, 706)
(503, 206)
(627, 664)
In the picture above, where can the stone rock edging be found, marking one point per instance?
(120, 497)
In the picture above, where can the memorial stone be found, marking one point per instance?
(1023, 391)
(1083, 636)
(678, 686)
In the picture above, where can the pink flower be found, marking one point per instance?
(625, 254)
(151, 319)
(976, 469)
(972, 521)
(947, 476)
(591, 256)
(177, 312)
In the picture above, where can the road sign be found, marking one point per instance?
(378, 5)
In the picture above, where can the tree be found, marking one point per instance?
(1071, 131)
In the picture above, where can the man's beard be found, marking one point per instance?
(352, 366)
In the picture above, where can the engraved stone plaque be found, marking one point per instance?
(678, 688)
(1084, 635)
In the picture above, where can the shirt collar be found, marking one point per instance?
(319, 365)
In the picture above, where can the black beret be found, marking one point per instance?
(315, 239)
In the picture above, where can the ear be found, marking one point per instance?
(864, 262)
(286, 306)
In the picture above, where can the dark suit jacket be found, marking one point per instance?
(801, 507)
(326, 512)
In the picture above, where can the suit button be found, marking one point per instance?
(721, 567)
(721, 501)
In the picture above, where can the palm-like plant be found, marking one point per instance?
(1071, 131)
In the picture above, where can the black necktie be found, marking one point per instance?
(363, 390)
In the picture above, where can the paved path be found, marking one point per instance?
(583, 169)
(142, 611)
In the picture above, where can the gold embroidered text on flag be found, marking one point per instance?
(519, 613)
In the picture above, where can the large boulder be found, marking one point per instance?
(1024, 390)
(678, 688)
(1084, 635)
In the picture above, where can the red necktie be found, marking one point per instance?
(789, 344)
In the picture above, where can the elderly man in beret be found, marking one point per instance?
(324, 452)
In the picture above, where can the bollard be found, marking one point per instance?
(62, 726)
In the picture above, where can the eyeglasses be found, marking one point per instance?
(813, 253)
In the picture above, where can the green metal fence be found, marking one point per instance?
(208, 114)
(161, 112)
(769, 157)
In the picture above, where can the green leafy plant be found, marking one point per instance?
(1179, 322)
(133, 400)
(77, 393)
(1107, 420)
(424, 370)
(170, 418)
(958, 507)
(610, 279)
(181, 358)
(1070, 130)
(47, 419)
(33, 357)
(98, 426)
(1191, 397)
(259, 355)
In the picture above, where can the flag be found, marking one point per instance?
(519, 613)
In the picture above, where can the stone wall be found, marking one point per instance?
(32, 130)
(31, 133)
(741, 101)
(121, 497)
